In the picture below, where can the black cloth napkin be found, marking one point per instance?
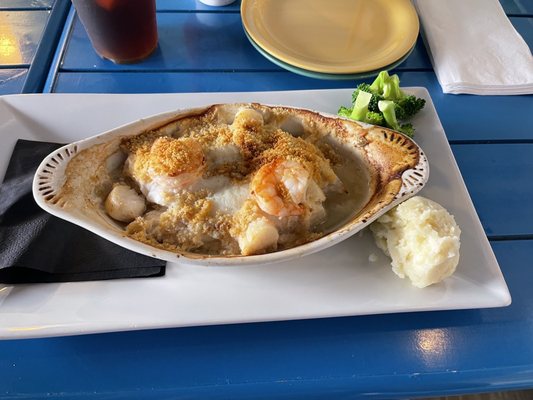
(38, 247)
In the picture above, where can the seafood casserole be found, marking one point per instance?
(238, 179)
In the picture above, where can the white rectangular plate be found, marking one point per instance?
(340, 281)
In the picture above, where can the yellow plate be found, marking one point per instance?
(332, 36)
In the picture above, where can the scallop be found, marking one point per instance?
(124, 204)
(247, 117)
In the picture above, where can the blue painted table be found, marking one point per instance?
(338, 358)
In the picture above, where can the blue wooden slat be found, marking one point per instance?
(58, 53)
(194, 5)
(45, 52)
(26, 4)
(21, 33)
(518, 7)
(12, 80)
(387, 356)
(464, 117)
(169, 82)
(194, 41)
(498, 177)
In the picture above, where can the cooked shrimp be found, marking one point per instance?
(280, 188)
(167, 167)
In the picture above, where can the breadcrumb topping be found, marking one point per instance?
(171, 157)
(191, 222)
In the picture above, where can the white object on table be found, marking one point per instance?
(216, 3)
(474, 47)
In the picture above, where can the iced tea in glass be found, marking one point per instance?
(123, 31)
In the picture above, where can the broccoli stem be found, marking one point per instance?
(360, 108)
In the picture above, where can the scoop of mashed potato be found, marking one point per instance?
(422, 239)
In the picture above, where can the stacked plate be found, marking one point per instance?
(332, 39)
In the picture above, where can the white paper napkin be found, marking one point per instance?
(474, 48)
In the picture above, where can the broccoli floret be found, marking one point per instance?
(361, 110)
(363, 87)
(400, 112)
(373, 105)
(377, 85)
(344, 112)
(383, 103)
(387, 86)
(374, 118)
(408, 130)
(391, 89)
(410, 105)
(387, 107)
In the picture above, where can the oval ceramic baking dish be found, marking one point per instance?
(70, 182)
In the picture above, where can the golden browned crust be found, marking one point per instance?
(259, 144)
(171, 157)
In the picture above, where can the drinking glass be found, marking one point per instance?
(123, 31)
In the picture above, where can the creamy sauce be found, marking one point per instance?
(342, 206)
